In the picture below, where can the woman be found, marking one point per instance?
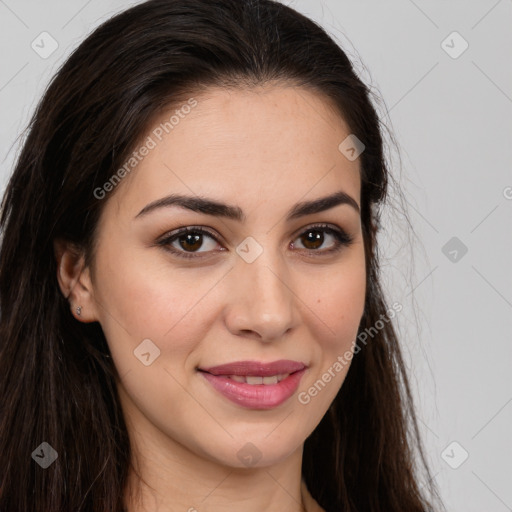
(189, 275)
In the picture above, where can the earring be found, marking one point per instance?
(79, 310)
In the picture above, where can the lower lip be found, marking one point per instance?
(258, 396)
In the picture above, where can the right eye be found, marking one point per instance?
(186, 242)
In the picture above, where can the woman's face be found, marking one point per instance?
(257, 280)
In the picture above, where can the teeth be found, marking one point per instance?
(254, 380)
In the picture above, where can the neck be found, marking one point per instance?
(166, 476)
(167, 483)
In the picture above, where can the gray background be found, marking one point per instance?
(452, 118)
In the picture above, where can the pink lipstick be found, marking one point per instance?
(254, 384)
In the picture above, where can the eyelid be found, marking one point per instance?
(175, 233)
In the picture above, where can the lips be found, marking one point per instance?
(256, 368)
(256, 385)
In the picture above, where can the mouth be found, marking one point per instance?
(256, 380)
(256, 385)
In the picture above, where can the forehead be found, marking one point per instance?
(275, 143)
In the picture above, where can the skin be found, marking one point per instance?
(264, 150)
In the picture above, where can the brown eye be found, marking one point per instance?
(190, 242)
(187, 242)
(314, 238)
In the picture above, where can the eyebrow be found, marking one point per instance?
(218, 209)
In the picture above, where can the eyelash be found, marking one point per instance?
(341, 237)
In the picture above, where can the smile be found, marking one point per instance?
(256, 385)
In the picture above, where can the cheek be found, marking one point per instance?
(338, 304)
(337, 308)
(336, 313)
(142, 300)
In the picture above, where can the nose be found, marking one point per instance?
(263, 304)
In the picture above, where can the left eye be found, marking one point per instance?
(314, 238)
(191, 239)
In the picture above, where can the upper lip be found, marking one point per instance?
(256, 368)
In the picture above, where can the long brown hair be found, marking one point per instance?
(57, 381)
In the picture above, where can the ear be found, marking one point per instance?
(75, 281)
